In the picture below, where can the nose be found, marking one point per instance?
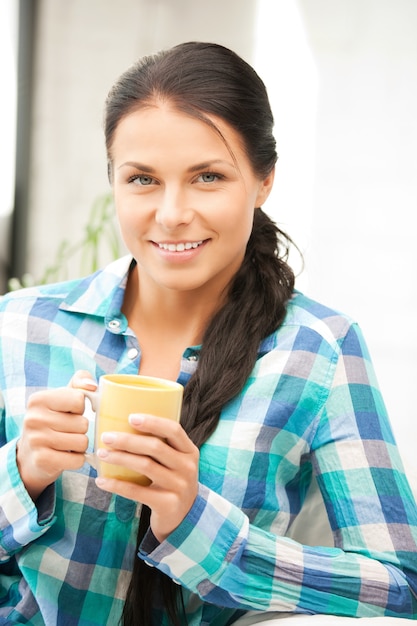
(173, 210)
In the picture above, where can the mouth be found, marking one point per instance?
(180, 246)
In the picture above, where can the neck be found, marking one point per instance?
(168, 312)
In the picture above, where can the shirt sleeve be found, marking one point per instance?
(21, 521)
(372, 570)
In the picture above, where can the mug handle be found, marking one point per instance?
(90, 457)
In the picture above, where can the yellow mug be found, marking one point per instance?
(119, 395)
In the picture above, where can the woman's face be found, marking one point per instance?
(184, 203)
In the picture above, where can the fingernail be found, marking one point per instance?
(136, 419)
(102, 453)
(108, 437)
(101, 482)
(89, 383)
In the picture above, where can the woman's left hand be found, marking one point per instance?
(167, 456)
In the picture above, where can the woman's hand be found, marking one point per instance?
(54, 435)
(167, 456)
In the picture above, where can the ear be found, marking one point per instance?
(265, 187)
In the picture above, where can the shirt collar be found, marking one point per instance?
(100, 294)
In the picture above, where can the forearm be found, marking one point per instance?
(225, 560)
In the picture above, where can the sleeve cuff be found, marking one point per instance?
(212, 534)
(21, 521)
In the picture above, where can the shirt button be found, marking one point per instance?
(132, 353)
(114, 324)
(148, 564)
(193, 357)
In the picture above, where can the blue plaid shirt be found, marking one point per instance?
(311, 407)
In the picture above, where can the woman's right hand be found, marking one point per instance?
(54, 434)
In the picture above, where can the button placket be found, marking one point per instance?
(132, 353)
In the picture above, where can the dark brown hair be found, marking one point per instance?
(204, 79)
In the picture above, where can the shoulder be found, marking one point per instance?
(314, 346)
(84, 293)
(304, 312)
(310, 326)
(25, 298)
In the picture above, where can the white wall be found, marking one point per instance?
(82, 48)
(342, 77)
(366, 184)
(347, 190)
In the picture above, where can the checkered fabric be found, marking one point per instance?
(310, 407)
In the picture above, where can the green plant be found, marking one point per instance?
(99, 235)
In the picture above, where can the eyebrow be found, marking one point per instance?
(205, 165)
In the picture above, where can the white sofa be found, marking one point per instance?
(312, 528)
(278, 619)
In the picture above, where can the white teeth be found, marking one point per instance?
(179, 247)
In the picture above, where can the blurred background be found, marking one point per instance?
(342, 78)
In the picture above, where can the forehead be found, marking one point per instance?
(160, 125)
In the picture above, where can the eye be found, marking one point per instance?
(208, 177)
(141, 179)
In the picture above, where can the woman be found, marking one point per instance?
(278, 389)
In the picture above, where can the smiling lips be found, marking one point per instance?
(180, 247)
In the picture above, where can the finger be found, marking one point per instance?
(150, 495)
(71, 443)
(123, 488)
(54, 462)
(62, 424)
(82, 379)
(141, 464)
(138, 444)
(167, 429)
(125, 449)
(48, 439)
(159, 500)
(61, 400)
(163, 465)
(58, 410)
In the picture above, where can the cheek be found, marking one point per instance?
(237, 210)
(237, 228)
(128, 209)
(131, 222)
